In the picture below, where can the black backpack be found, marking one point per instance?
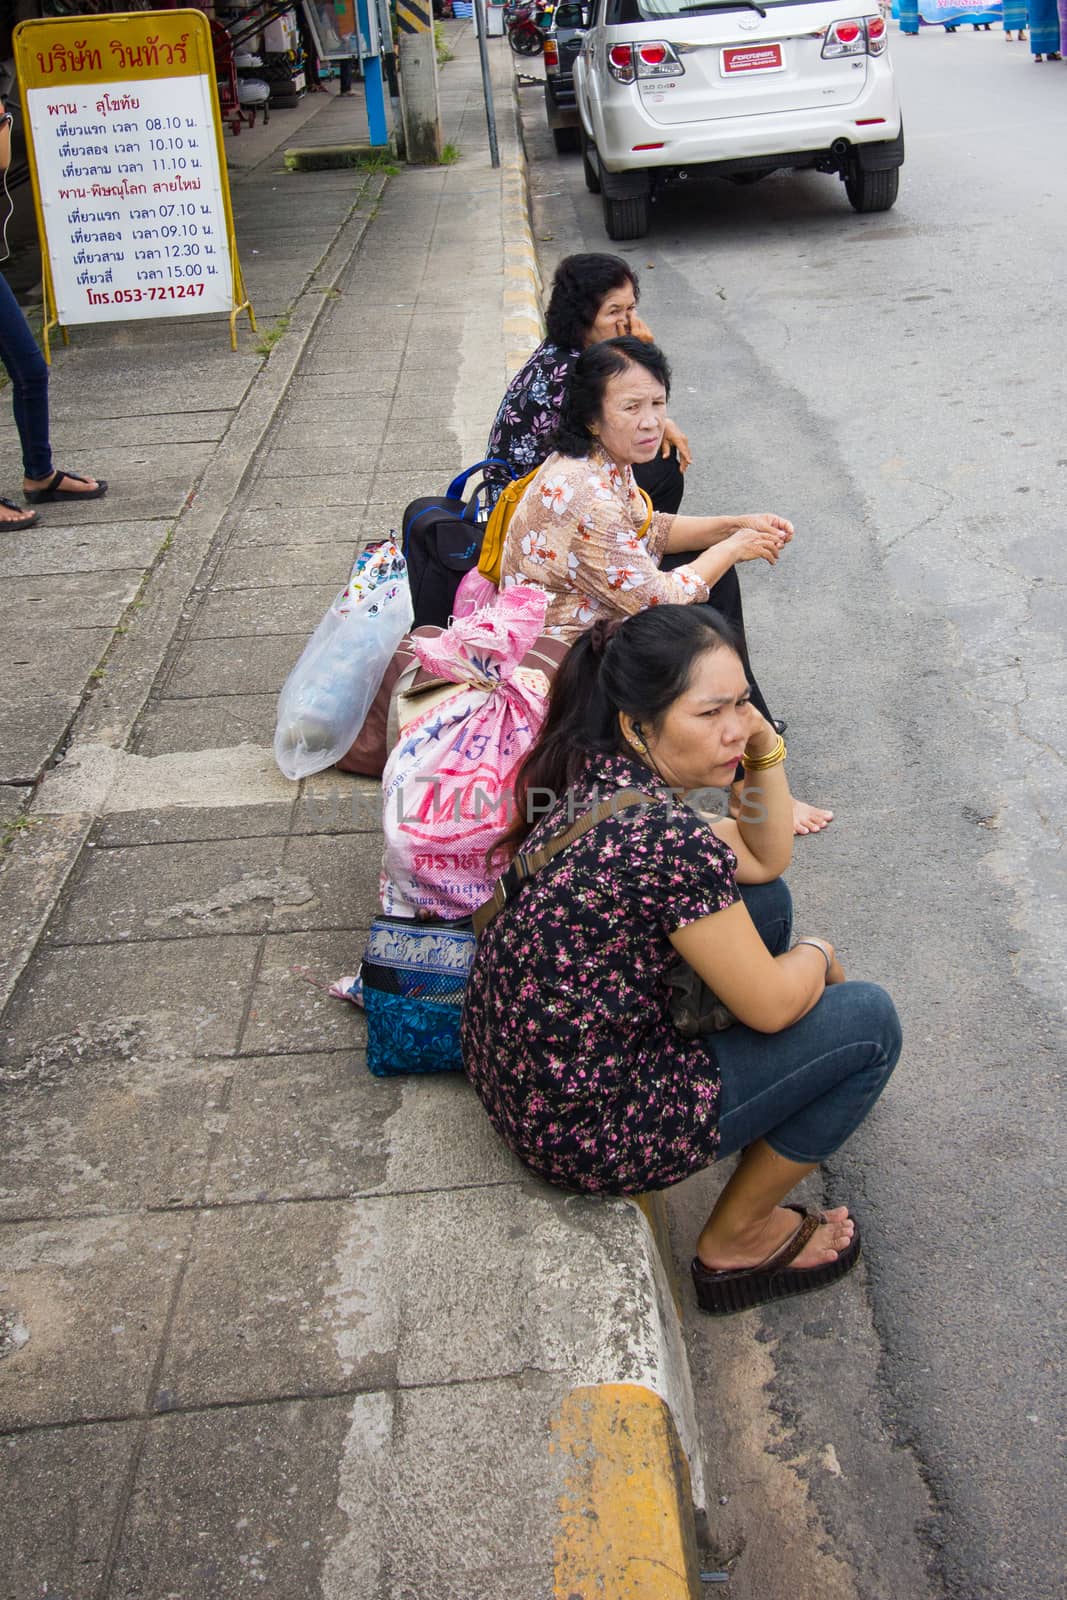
(442, 539)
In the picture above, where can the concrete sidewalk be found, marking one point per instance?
(269, 1325)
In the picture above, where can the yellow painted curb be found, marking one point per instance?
(625, 1518)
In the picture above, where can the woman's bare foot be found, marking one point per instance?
(9, 512)
(810, 819)
(66, 484)
(760, 1244)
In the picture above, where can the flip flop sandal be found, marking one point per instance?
(16, 524)
(50, 492)
(720, 1293)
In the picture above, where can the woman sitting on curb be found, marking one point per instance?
(593, 297)
(577, 532)
(568, 1035)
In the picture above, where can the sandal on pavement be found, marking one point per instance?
(28, 519)
(52, 491)
(740, 1288)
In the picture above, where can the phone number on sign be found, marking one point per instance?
(158, 291)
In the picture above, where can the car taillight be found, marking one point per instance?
(621, 63)
(657, 59)
(653, 59)
(855, 36)
(551, 53)
(877, 35)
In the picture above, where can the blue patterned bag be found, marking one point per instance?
(414, 975)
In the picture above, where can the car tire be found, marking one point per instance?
(565, 140)
(590, 171)
(872, 191)
(628, 218)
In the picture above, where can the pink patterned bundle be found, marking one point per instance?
(448, 784)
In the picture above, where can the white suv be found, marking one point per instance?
(737, 89)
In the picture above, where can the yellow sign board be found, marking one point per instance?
(124, 137)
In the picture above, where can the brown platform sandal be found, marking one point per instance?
(741, 1288)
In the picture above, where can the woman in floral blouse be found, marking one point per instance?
(568, 1032)
(582, 531)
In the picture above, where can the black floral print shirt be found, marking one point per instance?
(567, 1035)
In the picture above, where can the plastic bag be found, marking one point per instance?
(327, 695)
(448, 785)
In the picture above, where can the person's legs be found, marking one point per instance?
(663, 481)
(28, 372)
(789, 1100)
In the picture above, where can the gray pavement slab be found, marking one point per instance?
(176, 891)
(174, 996)
(242, 665)
(293, 524)
(73, 653)
(128, 1135)
(274, 565)
(46, 550)
(213, 722)
(31, 722)
(60, 1492)
(254, 1515)
(85, 599)
(307, 1297)
(342, 447)
(93, 1296)
(305, 1127)
(13, 799)
(501, 1512)
(184, 824)
(290, 1009)
(242, 612)
(341, 490)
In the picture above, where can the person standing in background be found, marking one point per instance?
(1015, 19)
(28, 371)
(1044, 30)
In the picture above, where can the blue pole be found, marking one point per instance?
(373, 82)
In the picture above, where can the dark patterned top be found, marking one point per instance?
(567, 1035)
(529, 413)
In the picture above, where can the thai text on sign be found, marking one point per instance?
(126, 150)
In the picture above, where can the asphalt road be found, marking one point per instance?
(895, 385)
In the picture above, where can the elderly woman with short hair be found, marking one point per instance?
(583, 532)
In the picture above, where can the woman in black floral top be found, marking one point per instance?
(593, 297)
(568, 1035)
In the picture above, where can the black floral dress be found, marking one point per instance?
(567, 1035)
(529, 414)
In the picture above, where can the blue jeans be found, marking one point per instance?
(807, 1088)
(28, 372)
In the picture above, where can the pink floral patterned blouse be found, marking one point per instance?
(575, 534)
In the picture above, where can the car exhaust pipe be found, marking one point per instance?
(839, 148)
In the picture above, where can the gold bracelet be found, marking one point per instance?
(761, 763)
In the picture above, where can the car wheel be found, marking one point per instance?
(590, 171)
(872, 191)
(626, 219)
(565, 140)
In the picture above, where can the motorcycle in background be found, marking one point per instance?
(526, 26)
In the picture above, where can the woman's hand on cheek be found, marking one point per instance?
(673, 435)
(638, 328)
(760, 736)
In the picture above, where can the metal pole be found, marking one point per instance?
(487, 87)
